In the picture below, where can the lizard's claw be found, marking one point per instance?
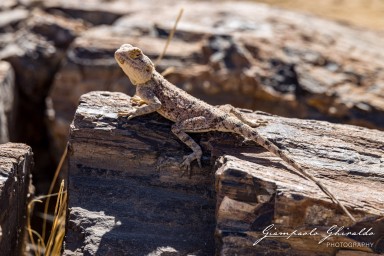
(136, 100)
(129, 114)
(257, 123)
(199, 162)
(130, 117)
(186, 163)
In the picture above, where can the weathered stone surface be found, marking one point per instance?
(16, 162)
(7, 101)
(245, 54)
(95, 12)
(126, 195)
(35, 52)
(278, 61)
(7, 4)
(9, 19)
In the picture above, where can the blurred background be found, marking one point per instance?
(363, 13)
(319, 60)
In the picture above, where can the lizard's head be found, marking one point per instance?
(137, 66)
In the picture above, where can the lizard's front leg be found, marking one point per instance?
(146, 97)
(180, 129)
(136, 100)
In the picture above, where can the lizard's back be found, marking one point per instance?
(178, 105)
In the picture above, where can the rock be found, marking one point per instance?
(93, 12)
(298, 67)
(42, 41)
(35, 52)
(122, 204)
(7, 4)
(265, 59)
(9, 19)
(16, 162)
(7, 101)
(127, 198)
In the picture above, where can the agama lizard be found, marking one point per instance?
(189, 114)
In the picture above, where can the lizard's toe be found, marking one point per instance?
(186, 164)
(199, 162)
(258, 123)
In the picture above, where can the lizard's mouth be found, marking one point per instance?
(120, 54)
(119, 57)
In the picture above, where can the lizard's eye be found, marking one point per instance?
(134, 54)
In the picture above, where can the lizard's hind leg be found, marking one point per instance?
(239, 115)
(180, 129)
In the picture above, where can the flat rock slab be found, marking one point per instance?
(16, 162)
(127, 196)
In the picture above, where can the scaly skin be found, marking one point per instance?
(189, 114)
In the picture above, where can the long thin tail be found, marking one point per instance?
(252, 134)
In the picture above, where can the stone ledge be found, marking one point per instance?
(16, 162)
(127, 196)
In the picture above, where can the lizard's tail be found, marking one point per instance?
(252, 134)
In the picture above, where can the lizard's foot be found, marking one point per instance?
(136, 100)
(129, 114)
(187, 160)
(257, 123)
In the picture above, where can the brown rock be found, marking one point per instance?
(16, 163)
(93, 12)
(265, 59)
(301, 66)
(35, 51)
(7, 103)
(126, 195)
(9, 19)
(7, 4)
(255, 190)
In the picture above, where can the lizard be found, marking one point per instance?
(191, 115)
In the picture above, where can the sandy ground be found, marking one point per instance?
(363, 13)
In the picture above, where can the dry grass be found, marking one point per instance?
(53, 245)
(38, 244)
(363, 13)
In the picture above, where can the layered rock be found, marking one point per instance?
(127, 196)
(16, 163)
(35, 49)
(7, 101)
(245, 54)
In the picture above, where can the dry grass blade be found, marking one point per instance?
(63, 156)
(56, 238)
(170, 37)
